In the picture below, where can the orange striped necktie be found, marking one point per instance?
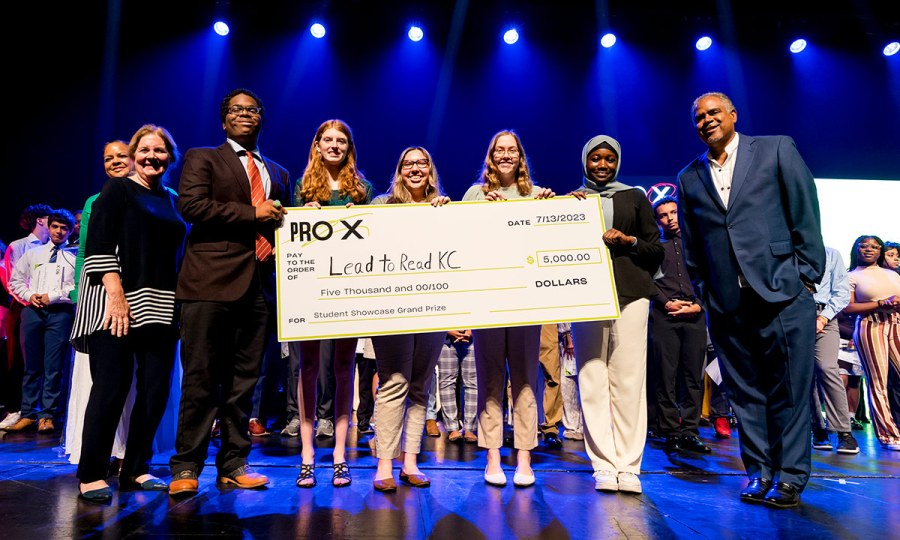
(257, 197)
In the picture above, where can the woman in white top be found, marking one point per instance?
(505, 175)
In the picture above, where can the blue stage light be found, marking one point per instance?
(415, 33)
(221, 28)
(608, 40)
(511, 36)
(891, 48)
(798, 45)
(704, 43)
(317, 30)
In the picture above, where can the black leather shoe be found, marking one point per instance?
(782, 495)
(694, 444)
(552, 441)
(756, 490)
(673, 443)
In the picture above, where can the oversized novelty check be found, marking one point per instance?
(405, 268)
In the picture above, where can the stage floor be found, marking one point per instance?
(685, 495)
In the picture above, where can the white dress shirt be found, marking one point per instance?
(35, 274)
(721, 174)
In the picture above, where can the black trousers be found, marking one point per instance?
(113, 359)
(326, 384)
(766, 351)
(365, 371)
(678, 353)
(221, 352)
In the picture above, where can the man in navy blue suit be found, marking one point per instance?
(750, 223)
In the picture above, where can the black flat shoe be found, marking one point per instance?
(96, 496)
(782, 495)
(756, 490)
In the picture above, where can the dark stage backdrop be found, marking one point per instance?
(81, 74)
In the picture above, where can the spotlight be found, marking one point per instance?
(317, 30)
(608, 40)
(704, 43)
(891, 48)
(798, 45)
(221, 28)
(511, 36)
(415, 33)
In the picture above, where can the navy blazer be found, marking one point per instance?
(770, 233)
(214, 197)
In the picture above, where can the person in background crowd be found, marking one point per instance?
(34, 220)
(45, 276)
(117, 163)
(678, 332)
(831, 296)
(875, 300)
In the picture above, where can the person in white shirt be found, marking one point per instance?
(44, 276)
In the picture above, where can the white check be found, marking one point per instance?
(405, 268)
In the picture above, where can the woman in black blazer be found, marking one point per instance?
(612, 355)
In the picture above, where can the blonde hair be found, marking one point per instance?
(400, 193)
(490, 174)
(315, 186)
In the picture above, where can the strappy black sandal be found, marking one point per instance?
(307, 472)
(341, 471)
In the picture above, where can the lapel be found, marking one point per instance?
(746, 154)
(702, 167)
(233, 162)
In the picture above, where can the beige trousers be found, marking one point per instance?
(612, 377)
(495, 349)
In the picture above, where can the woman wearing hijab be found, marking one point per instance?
(612, 355)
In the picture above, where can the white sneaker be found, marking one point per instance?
(605, 481)
(325, 428)
(574, 435)
(10, 419)
(629, 483)
(292, 429)
(886, 446)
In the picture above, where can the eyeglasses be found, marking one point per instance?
(238, 109)
(512, 152)
(408, 164)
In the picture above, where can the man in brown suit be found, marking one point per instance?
(231, 197)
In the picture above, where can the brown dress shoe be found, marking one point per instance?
(385, 486)
(24, 424)
(431, 428)
(471, 437)
(244, 477)
(257, 429)
(455, 435)
(415, 480)
(184, 482)
(45, 425)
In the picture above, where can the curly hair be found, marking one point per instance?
(490, 174)
(400, 193)
(315, 186)
(854, 251)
